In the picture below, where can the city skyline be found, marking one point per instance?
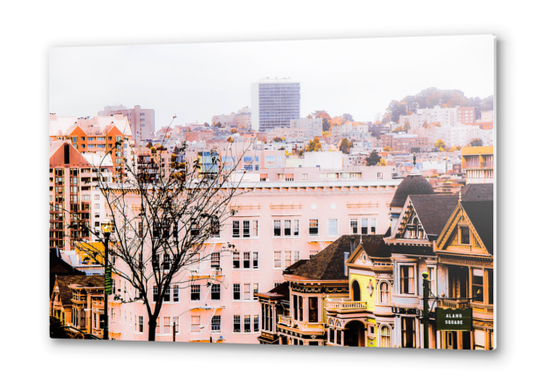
(196, 81)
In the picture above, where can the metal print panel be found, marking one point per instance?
(316, 193)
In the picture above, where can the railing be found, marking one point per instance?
(306, 326)
(454, 304)
(286, 320)
(341, 305)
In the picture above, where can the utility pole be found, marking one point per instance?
(425, 310)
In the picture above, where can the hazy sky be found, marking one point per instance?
(196, 81)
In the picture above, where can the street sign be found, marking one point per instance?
(108, 281)
(449, 319)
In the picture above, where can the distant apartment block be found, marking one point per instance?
(274, 103)
(477, 164)
(404, 142)
(241, 119)
(486, 116)
(310, 127)
(141, 121)
(465, 115)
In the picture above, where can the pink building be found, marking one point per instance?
(277, 223)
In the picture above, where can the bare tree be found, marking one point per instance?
(164, 208)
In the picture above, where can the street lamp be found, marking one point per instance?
(107, 228)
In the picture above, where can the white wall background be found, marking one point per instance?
(29, 29)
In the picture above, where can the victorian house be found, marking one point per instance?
(77, 301)
(464, 252)
(364, 318)
(294, 313)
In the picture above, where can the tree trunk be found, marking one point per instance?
(152, 328)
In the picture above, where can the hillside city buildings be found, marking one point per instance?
(328, 250)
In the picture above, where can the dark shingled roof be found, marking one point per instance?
(329, 264)
(477, 192)
(480, 214)
(58, 267)
(434, 211)
(375, 246)
(411, 185)
(86, 281)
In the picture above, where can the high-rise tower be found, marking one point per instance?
(274, 103)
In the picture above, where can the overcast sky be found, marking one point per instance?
(196, 81)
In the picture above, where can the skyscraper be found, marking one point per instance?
(274, 103)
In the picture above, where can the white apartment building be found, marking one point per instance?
(274, 103)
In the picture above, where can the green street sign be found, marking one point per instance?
(449, 319)
(108, 281)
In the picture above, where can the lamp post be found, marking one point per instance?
(107, 228)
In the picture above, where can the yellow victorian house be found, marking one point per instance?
(465, 253)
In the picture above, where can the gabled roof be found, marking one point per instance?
(375, 247)
(329, 264)
(413, 184)
(480, 214)
(433, 211)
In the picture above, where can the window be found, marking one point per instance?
(364, 226)
(313, 309)
(313, 227)
(236, 323)
(277, 260)
(354, 226)
(167, 325)
(373, 226)
(296, 256)
(236, 262)
(287, 258)
(384, 293)
(255, 260)
(215, 324)
(332, 227)
(246, 328)
(407, 279)
(141, 324)
(236, 291)
(155, 294)
(276, 228)
(478, 285)
(256, 320)
(246, 292)
(195, 292)
(246, 260)
(246, 228)
(235, 229)
(175, 289)
(215, 292)
(296, 227)
(215, 260)
(287, 227)
(465, 235)
(255, 290)
(195, 322)
(385, 337)
(255, 228)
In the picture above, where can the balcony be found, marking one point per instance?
(305, 326)
(345, 306)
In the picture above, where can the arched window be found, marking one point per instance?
(356, 291)
(384, 292)
(385, 337)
